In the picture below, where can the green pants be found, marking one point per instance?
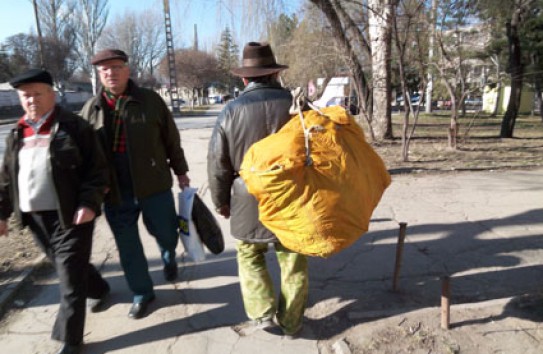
(257, 286)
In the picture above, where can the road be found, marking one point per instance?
(183, 123)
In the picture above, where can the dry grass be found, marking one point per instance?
(479, 145)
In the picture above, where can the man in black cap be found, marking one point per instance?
(53, 179)
(143, 146)
(260, 110)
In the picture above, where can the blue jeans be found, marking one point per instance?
(160, 219)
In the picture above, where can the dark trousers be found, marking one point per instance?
(160, 219)
(69, 251)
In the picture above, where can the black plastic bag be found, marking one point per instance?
(207, 226)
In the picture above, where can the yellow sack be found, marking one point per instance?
(319, 205)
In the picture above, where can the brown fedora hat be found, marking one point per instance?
(258, 60)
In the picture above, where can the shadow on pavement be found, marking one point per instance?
(355, 285)
(482, 265)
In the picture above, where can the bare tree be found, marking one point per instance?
(406, 17)
(452, 57)
(352, 40)
(24, 52)
(5, 70)
(259, 15)
(310, 51)
(59, 29)
(196, 71)
(141, 36)
(93, 16)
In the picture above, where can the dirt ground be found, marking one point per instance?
(479, 148)
(17, 252)
(497, 326)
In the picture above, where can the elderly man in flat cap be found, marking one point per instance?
(53, 180)
(260, 110)
(143, 146)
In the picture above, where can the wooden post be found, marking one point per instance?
(399, 252)
(445, 302)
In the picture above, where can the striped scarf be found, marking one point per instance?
(115, 103)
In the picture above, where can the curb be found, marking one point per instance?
(8, 121)
(16, 283)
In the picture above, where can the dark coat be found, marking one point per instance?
(152, 138)
(76, 162)
(262, 109)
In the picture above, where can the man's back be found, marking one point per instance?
(261, 110)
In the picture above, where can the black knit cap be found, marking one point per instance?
(31, 76)
(109, 54)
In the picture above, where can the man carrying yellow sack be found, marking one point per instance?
(261, 109)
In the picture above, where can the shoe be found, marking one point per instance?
(250, 327)
(70, 349)
(279, 330)
(170, 272)
(139, 309)
(293, 335)
(97, 305)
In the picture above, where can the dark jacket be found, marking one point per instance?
(152, 139)
(262, 109)
(76, 162)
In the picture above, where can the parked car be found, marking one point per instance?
(349, 103)
(473, 102)
(415, 99)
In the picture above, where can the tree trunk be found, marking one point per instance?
(94, 81)
(516, 71)
(379, 18)
(405, 128)
(537, 86)
(431, 40)
(538, 98)
(498, 99)
(453, 128)
(350, 39)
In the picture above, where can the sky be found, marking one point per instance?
(17, 16)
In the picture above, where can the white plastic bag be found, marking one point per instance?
(187, 231)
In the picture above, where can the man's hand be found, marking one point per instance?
(3, 228)
(83, 215)
(224, 211)
(183, 180)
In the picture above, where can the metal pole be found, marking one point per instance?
(174, 94)
(38, 29)
(399, 252)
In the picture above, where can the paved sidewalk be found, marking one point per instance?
(482, 229)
